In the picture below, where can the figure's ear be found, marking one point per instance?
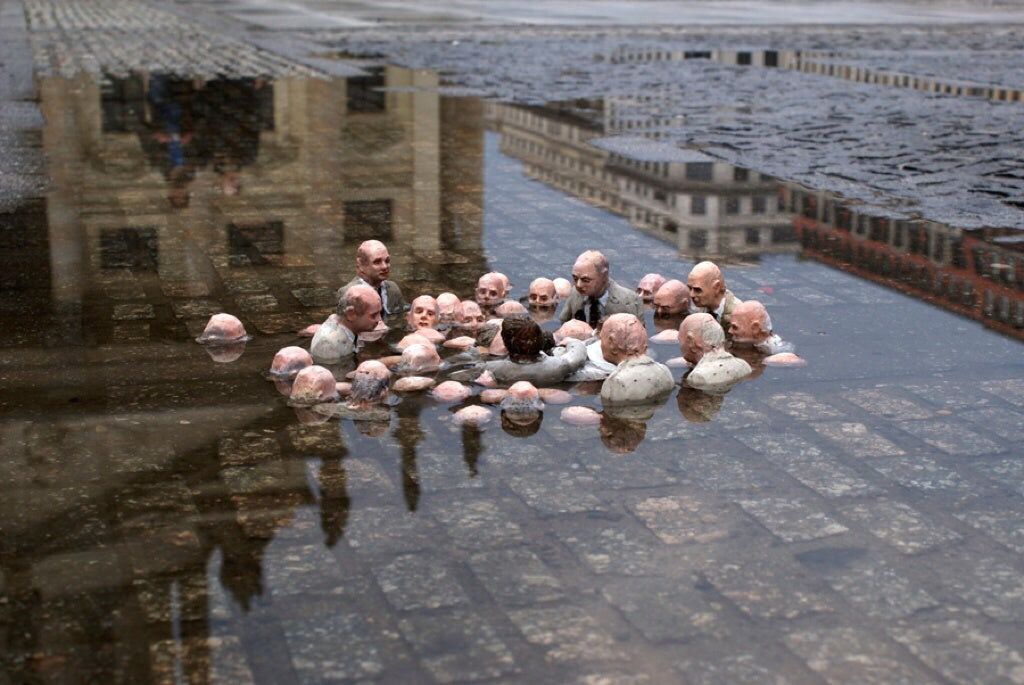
(756, 328)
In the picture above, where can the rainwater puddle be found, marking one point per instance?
(168, 518)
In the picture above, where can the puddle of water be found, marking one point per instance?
(167, 517)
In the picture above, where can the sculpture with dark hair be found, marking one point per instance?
(523, 338)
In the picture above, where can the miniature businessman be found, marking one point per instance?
(648, 287)
(596, 295)
(751, 326)
(358, 312)
(702, 342)
(671, 300)
(637, 378)
(490, 291)
(373, 266)
(708, 291)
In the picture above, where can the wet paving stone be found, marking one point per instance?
(961, 652)
(190, 289)
(567, 633)
(995, 587)
(792, 520)
(1006, 423)
(665, 609)
(1003, 524)
(316, 297)
(810, 465)
(478, 523)
(458, 646)
(611, 550)
(803, 407)
(1011, 390)
(332, 648)
(769, 591)
(741, 669)
(516, 577)
(419, 581)
(256, 303)
(843, 655)
(196, 309)
(557, 492)
(900, 525)
(218, 659)
(1007, 472)
(381, 530)
(301, 569)
(687, 518)
(133, 312)
(919, 473)
(951, 438)
(879, 590)
(857, 439)
(887, 403)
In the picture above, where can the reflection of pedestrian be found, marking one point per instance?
(170, 102)
(231, 115)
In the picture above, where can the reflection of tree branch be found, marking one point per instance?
(334, 500)
(472, 446)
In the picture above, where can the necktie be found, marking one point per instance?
(595, 312)
(380, 292)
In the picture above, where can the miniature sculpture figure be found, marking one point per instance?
(523, 403)
(313, 385)
(708, 291)
(288, 362)
(554, 396)
(413, 339)
(472, 318)
(525, 342)
(580, 416)
(373, 266)
(563, 288)
(702, 341)
(417, 360)
(369, 385)
(672, 300)
(223, 329)
(542, 294)
(451, 391)
(637, 378)
(578, 330)
(412, 384)
(596, 295)
(473, 415)
(358, 312)
(648, 286)
(449, 308)
(752, 326)
(490, 291)
(509, 308)
(422, 313)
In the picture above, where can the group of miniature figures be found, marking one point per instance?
(498, 343)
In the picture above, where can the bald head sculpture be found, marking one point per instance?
(522, 403)
(490, 289)
(422, 312)
(359, 309)
(509, 308)
(418, 359)
(223, 329)
(707, 285)
(698, 335)
(578, 330)
(562, 287)
(750, 323)
(369, 384)
(648, 287)
(623, 337)
(590, 274)
(472, 317)
(671, 299)
(542, 294)
(373, 262)
(448, 307)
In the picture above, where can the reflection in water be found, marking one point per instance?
(167, 518)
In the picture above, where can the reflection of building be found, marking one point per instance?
(133, 464)
(705, 207)
(979, 274)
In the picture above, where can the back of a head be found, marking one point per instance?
(711, 334)
(523, 338)
(623, 336)
(596, 258)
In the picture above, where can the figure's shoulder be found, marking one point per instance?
(731, 301)
(342, 289)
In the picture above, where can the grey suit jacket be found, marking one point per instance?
(620, 301)
(396, 303)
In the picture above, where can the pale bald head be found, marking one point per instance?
(369, 384)
(490, 289)
(671, 299)
(373, 262)
(648, 286)
(423, 312)
(563, 287)
(222, 328)
(750, 323)
(707, 285)
(698, 335)
(359, 309)
(542, 293)
(623, 337)
(448, 306)
(590, 274)
(579, 330)
(419, 359)
(413, 339)
(472, 317)
(509, 308)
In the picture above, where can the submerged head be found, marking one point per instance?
(523, 339)
(623, 337)
(223, 329)
(672, 299)
(313, 385)
(359, 309)
(578, 330)
(707, 285)
(373, 262)
(698, 335)
(490, 289)
(509, 308)
(750, 323)
(422, 312)
(472, 318)
(590, 274)
(522, 404)
(417, 359)
(369, 384)
(542, 294)
(563, 288)
(648, 287)
(449, 308)
(289, 361)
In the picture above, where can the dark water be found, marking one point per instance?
(168, 518)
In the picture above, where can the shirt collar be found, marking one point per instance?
(720, 309)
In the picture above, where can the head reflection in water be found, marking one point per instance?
(522, 405)
(621, 436)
